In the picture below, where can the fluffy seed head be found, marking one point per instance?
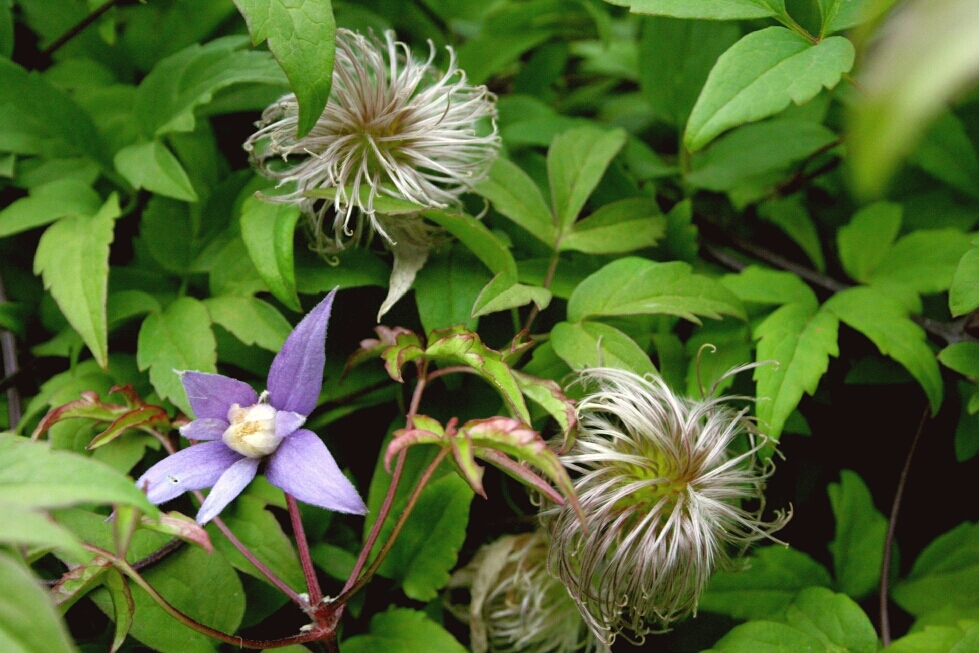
(662, 492)
(393, 126)
(515, 605)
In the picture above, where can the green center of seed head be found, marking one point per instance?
(656, 466)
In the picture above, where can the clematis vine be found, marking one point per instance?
(238, 430)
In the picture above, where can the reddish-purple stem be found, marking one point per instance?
(312, 582)
(398, 525)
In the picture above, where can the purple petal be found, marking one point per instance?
(230, 485)
(303, 467)
(286, 423)
(194, 468)
(296, 377)
(211, 395)
(208, 428)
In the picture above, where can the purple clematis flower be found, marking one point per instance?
(240, 428)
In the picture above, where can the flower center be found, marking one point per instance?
(252, 430)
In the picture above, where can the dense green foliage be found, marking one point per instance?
(684, 186)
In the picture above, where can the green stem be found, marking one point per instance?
(548, 279)
(78, 28)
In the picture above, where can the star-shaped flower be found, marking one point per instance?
(239, 429)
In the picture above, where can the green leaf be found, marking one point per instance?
(336, 562)
(258, 530)
(963, 357)
(168, 97)
(458, 346)
(40, 119)
(428, 546)
(937, 639)
(766, 637)
(707, 9)
(618, 227)
(926, 55)
(6, 29)
(400, 630)
(817, 620)
(201, 585)
(945, 574)
(33, 476)
(593, 344)
(233, 272)
(885, 321)
(839, 15)
(924, 260)
(251, 320)
(576, 162)
(355, 268)
(26, 527)
(770, 580)
(548, 395)
(73, 260)
(677, 56)
(28, 620)
(154, 167)
(268, 231)
(963, 295)
(479, 240)
(48, 202)
(762, 286)
(800, 338)
(515, 195)
(865, 241)
(447, 287)
(500, 294)
(635, 286)
(858, 547)
(756, 152)
(946, 153)
(835, 619)
(301, 37)
(760, 75)
(175, 340)
(967, 430)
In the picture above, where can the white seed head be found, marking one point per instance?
(393, 126)
(516, 605)
(252, 430)
(662, 493)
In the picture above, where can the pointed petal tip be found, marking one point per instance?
(304, 467)
(296, 376)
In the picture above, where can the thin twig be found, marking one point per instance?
(885, 570)
(252, 558)
(78, 28)
(190, 622)
(312, 582)
(258, 564)
(548, 279)
(398, 525)
(10, 368)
